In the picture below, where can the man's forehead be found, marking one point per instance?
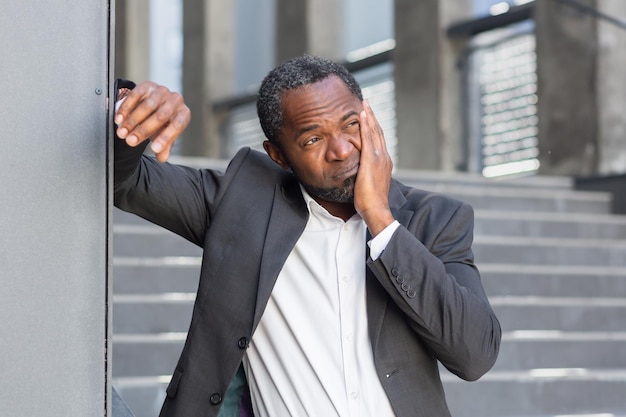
(331, 87)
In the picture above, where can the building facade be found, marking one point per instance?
(500, 88)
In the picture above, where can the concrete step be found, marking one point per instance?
(533, 393)
(567, 314)
(538, 393)
(549, 224)
(171, 312)
(157, 354)
(429, 179)
(165, 313)
(138, 278)
(180, 274)
(152, 313)
(146, 354)
(553, 280)
(121, 217)
(150, 240)
(522, 199)
(522, 350)
(550, 251)
(170, 274)
(143, 395)
(139, 237)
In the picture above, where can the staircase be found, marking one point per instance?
(553, 262)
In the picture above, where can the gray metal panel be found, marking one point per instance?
(53, 205)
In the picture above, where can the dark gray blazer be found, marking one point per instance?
(424, 296)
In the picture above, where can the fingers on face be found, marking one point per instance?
(372, 132)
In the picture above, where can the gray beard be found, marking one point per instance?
(343, 194)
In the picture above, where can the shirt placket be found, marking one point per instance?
(348, 300)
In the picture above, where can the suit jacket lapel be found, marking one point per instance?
(287, 222)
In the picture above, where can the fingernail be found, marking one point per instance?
(131, 140)
(118, 119)
(122, 132)
(156, 147)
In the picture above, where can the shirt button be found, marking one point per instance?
(216, 398)
(349, 337)
(345, 278)
(354, 395)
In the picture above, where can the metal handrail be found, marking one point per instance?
(592, 11)
(352, 66)
(473, 27)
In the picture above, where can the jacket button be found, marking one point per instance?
(216, 398)
(395, 272)
(243, 343)
(400, 279)
(411, 293)
(405, 287)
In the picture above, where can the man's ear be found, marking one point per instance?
(275, 154)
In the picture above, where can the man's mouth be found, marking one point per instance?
(347, 173)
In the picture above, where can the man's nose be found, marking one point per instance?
(340, 147)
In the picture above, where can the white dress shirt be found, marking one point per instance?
(311, 354)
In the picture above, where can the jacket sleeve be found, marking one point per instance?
(168, 195)
(428, 270)
(178, 198)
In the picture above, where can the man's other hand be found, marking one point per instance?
(151, 111)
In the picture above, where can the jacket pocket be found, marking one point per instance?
(172, 388)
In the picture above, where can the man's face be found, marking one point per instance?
(320, 139)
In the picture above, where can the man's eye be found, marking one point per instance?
(354, 123)
(311, 141)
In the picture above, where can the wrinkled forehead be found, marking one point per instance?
(327, 89)
(321, 105)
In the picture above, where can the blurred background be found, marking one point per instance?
(461, 85)
(515, 107)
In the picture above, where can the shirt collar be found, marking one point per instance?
(315, 209)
